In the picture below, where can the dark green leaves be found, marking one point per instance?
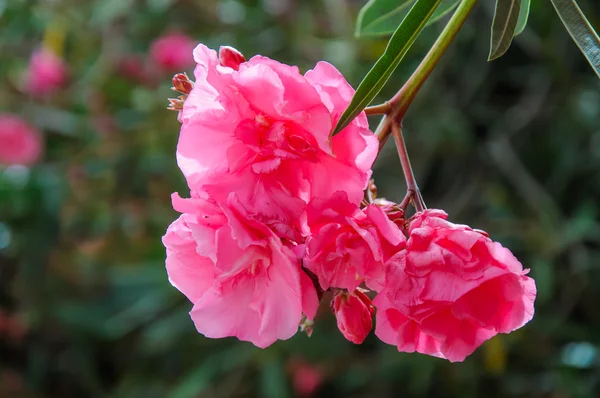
(580, 30)
(382, 17)
(398, 46)
(523, 16)
(504, 26)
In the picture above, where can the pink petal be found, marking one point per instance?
(189, 272)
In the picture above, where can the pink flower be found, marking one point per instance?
(132, 67)
(262, 129)
(354, 314)
(20, 143)
(452, 289)
(243, 280)
(306, 378)
(348, 245)
(173, 52)
(46, 73)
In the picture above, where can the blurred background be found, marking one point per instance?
(511, 146)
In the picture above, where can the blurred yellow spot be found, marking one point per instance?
(54, 36)
(494, 353)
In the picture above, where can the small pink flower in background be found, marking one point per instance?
(306, 378)
(173, 52)
(11, 327)
(348, 245)
(46, 73)
(452, 289)
(354, 314)
(20, 143)
(243, 280)
(133, 67)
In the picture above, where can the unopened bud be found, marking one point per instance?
(372, 189)
(393, 211)
(182, 83)
(306, 325)
(354, 314)
(176, 104)
(230, 57)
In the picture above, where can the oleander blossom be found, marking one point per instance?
(173, 52)
(242, 279)
(255, 149)
(349, 245)
(20, 143)
(452, 289)
(261, 128)
(46, 73)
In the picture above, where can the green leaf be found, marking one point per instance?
(503, 26)
(523, 16)
(397, 47)
(443, 9)
(381, 17)
(580, 30)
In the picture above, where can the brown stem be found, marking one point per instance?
(411, 182)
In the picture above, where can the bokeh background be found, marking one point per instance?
(512, 147)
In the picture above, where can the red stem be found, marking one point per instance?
(411, 182)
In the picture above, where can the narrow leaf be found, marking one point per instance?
(397, 47)
(382, 17)
(445, 7)
(503, 26)
(581, 31)
(523, 16)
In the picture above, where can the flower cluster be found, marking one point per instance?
(255, 151)
(276, 217)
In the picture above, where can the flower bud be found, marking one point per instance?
(176, 104)
(230, 57)
(372, 189)
(182, 83)
(306, 325)
(354, 313)
(393, 211)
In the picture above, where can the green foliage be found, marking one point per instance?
(504, 26)
(382, 17)
(523, 16)
(399, 44)
(581, 31)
